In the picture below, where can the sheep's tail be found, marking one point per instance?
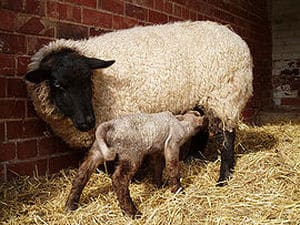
(108, 154)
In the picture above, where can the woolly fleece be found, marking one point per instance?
(171, 67)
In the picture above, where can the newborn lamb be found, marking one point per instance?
(131, 138)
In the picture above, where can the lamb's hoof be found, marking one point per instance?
(137, 215)
(134, 214)
(71, 207)
(177, 189)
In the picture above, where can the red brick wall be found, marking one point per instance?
(27, 143)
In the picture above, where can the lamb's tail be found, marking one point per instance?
(101, 132)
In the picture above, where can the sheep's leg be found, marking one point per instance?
(172, 165)
(83, 175)
(157, 162)
(227, 157)
(120, 181)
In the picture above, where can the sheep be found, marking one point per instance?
(172, 67)
(131, 138)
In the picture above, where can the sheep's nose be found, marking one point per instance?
(83, 127)
(90, 120)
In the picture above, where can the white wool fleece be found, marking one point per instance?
(171, 67)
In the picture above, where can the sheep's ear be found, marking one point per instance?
(37, 76)
(98, 63)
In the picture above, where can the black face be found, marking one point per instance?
(69, 78)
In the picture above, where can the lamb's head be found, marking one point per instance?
(68, 75)
(193, 121)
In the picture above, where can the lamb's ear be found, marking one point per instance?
(98, 63)
(179, 117)
(37, 76)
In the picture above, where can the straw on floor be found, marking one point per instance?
(265, 189)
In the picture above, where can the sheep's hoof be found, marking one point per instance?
(158, 183)
(222, 183)
(223, 180)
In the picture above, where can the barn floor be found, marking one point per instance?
(264, 189)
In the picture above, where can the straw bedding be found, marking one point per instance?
(264, 189)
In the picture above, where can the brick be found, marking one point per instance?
(174, 19)
(34, 25)
(115, 6)
(25, 129)
(159, 5)
(3, 86)
(2, 132)
(290, 101)
(48, 146)
(136, 12)
(176, 10)
(193, 15)
(26, 149)
(14, 5)
(35, 7)
(35, 43)
(63, 12)
(16, 88)
(7, 152)
(7, 64)
(11, 43)
(157, 17)
(12, 109)
(123, 22)
(185, 13)
(89, 3)
(168, 7)
(22, 63)
(7, 20)
(26, 168)
(62, 162)
(96, 18)
(145, 3)
(95, 31)
(71, 31)
(181, 2)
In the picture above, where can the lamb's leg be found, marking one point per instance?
(83, 175)
(227, 157)
(172, 165)
(120, 181)
(157, 162)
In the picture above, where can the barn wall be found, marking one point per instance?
(285, 19)
(27, 143)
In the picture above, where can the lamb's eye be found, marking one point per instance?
(56, 84)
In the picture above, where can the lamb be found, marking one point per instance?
(174, 67)
(131, 138)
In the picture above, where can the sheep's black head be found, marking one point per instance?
(69, 77)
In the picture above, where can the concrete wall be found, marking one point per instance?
(285, 19)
